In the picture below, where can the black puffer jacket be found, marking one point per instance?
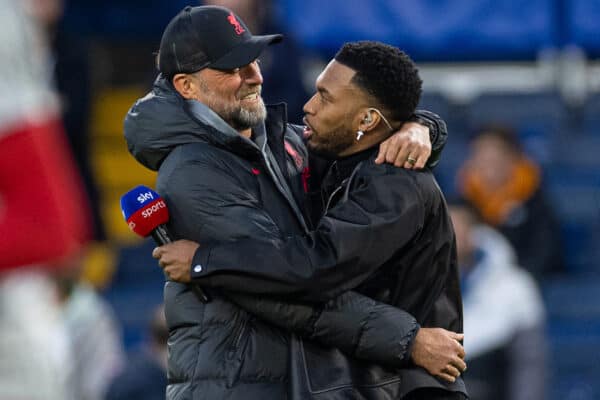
(219, 186)
(385, 233)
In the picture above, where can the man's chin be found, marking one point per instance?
(320, 151)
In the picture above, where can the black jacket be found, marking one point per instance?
(221, 187)
(386, 232)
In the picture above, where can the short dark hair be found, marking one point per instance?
(386, 73)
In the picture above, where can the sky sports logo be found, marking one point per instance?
(157, 206)
(144, 197)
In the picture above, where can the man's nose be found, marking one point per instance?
(252, 74)
(308, 108)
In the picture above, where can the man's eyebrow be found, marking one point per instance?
(324, 91)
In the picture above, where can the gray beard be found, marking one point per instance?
(242, 119)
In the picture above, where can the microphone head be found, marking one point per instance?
(144, 210)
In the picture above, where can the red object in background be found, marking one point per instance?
(43, 212)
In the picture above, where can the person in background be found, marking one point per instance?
(145, 376)
(503, 314)
(505, 186)
(43, 215)
(281, 65)
(93, 331)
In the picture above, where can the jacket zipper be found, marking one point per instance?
(344, 185)
(331, 197)
(238, 338)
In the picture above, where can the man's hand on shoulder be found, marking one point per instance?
(439, 352)
(410, 147)
(176, 259)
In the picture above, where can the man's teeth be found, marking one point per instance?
(251, 96)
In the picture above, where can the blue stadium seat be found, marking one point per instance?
(578, 151)
(581, 24)
(136, 289)
(427, 29)
(574, 333)
(451, 113)
(573, 298)
(436, 102)
(122, 20)
(591, 116)
(136, 267)
(538, 118)
(575, 194)
(133, 308)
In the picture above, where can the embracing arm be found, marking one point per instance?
(359, 326)
(438, 133)
(422, 137)
(380, 214)
(365, 329)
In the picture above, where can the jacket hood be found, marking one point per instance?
(163, 120)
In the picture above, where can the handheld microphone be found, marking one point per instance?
(146, 213)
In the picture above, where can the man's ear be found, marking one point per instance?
(368, 120)
(184, 86)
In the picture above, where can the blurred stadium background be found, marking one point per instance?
(534, 65)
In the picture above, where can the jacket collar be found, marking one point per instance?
(342, 167)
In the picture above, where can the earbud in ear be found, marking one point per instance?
(368, 119)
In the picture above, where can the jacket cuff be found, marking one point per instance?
(199, 267)
(438, 133)
(411, 343)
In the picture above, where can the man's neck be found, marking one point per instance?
(367, 141)
(247, 133)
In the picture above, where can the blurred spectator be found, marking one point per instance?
(42, 216)
(93, 332)
(503, 312)
(145, 377)
(506, 189)
(280, 65)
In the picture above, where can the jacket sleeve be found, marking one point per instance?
(438, 133)
(359, 326)
(380, 214)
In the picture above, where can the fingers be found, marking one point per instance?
(422, 158)
(402, 156)
(157, 252)
(382, 152)
(161, 255)
(459, 337)
(452, 371)
(447, 377)
(459, 364)
(396, 147)
(461, 352)
(408, 143)
(419, 153)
